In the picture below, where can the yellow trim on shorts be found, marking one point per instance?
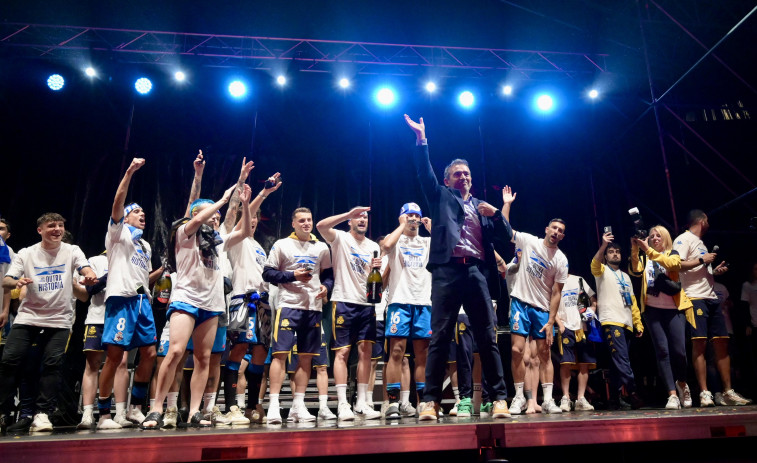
(333, 321)
(276, 326)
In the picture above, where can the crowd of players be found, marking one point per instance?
(248, 318)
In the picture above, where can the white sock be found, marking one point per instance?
(341, 393)
(546, 389)
(89, 409)
(361, 388)
(172, 399)
(209, 399)
(120, 407)
(369, 396)
(404, 397)
(273, 401)
(323, 401)
(299, 399)
(241, 403)
(519, 389)
(456, 392)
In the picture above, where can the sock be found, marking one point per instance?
(546, 389)
(341, 393)
(361, 388)
(88, 409)
(419, 387)
(393, 391)
(369, 396)
(404, 396)
(299, 399)
(456, 392)
(120, 408)
(519, 389)
(273, 401)
(230, 378)
(172, 399)
(241, 402)
(103, 406)
(323, 401)
(209, 399)
(139, 393)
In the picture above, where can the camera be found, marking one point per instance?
(639, 231)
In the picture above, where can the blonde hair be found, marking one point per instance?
(667, 241)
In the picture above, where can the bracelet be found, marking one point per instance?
(262, 195)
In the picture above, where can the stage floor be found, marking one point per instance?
(406, 436)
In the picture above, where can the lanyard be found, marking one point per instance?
(621, 280)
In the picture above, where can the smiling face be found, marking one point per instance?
(459, 178)
(302, 223)
(52, 232)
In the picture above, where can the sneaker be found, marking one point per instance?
(217, 418)
(299, 414)
(41, 423)
(407, 409)
(453, 410)
(171, 417)
(22, 425)
(344, 412)
(499, 409)
(121, 419)
(274, 416)
(674, 403)
(110, 424)
(583, 405)
(565, 404)
(684, 396)
(257, 415)
(518, 405)
(549, 407)
(235, 416)
(719, 399)
(135, 415)
(384, 407)
(367, 413)
(486, 409)
(325, 414)
(428, 412)
(87, 420)
(731, 397)
(464, 408)
(393, 411)
(705, 399)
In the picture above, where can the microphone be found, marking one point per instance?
(715, 250)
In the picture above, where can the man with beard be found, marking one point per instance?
(354, 318)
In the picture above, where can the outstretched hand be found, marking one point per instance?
(199, 163)
(246, 168)
(276, 180)
(246, 193)
(507, 195)
(418, 127)
(607, 238)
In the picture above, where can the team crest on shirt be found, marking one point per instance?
(92, 330)
(393, 329)
(566, 341)
(699, 312)
(119, 336)
(340, 320)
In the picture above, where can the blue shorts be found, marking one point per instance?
(576, 353)
(93, 335)
(710, 320)
(352, 323)
(527, 320)
(128, 322)
(200, 315)
(408, 321)
(379, 347)
(219, 343)
(322, 359)
(300, 327)
(258, 325)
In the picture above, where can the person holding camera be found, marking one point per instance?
(665, 307)
(697, 279)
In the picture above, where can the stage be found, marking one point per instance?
(471, 438)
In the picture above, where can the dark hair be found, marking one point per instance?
(68, 237)
(304, 210)
(558, 220)
(612, 245)
(695, 215)
(49, 217)
(7, 224)
(455, 162)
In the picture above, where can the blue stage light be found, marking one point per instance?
(385, 96)
(237, 89)
(544, 102)
(593, 94)
(430, 87)
(281, 80)
(90, 72)
(466, 99)
(507, 90)
(143, 85)
(180, 76)
(56, 82)
(344, 82)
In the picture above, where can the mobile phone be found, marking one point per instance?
(271, 183)
(608, 229)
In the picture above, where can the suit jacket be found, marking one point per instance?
(447, 219)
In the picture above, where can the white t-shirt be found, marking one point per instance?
(129, 263)
(49, 295)
(352, 264)
(96, 311)
(749, 294)
(409, 281)
(662, 300)
(247, 260)
(722, 293)
(568, 310)
(540, 268)
(610, 304)
(3, 270)
(199, 281)
(698, 282)
(290, 254)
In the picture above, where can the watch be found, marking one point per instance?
(701, 261)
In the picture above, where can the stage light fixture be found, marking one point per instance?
(180, 76)
(544, 102)
(237, 89)
(593, 94)
(55, 82)
(385, 96)
(143, 85)
(281, 80)
(430, 87)
(90, 72)
(344, 82)
(507, 90)
(466, 99)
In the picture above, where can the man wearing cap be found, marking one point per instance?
(463, 272)
(129, 321)
(409, 301)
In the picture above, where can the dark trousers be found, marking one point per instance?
(453, 285)
(464, 357)
(668, 330)
(618, 341)
(52, 344)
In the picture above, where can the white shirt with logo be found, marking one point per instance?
(290, 254)
(540, 268)
(247, 260)
(697, 282)
(129, 263)
(409, 281)
(96, 310)
(352, 264)
(568, 310)
(199, 280)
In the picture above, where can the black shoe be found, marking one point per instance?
(5, 421)
(623, 404)
(22, 425)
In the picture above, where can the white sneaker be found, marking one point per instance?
(135, 415)
(299, 414)
(236, 417)
(385, 407)
(719, 399)
(407, 409)
(121, 419)
(453, 411)
(731, 397)
(325, 414)
(705, 399)
(273, 416)
(565, 404)
(684, 396)
(583, 405)
(87, 420)
(674, 403)
(170, 417)
(344, 411)
(218, 418)
(518, 405)
(41, 423)
(549, 406)
(109, 424)
(367, 413)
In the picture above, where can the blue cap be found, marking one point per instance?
(411, 208)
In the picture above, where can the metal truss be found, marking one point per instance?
(218, 50)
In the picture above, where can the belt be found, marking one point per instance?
(467, 260)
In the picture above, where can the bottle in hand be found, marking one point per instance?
(375, 284)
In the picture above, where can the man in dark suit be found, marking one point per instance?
(465, 232)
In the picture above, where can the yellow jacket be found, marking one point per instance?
(598, 270)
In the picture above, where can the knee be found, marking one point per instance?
(398, 353)
(148, 355)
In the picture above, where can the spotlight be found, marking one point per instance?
(466, 99)
(180, 76)
(507, 90)
(143, 85)
(281, 80)
(385, 96)
(90, 72)
(544, 103)
(344, 82)
(55, 82)
(237, 89)
(593, 94)
(430, 87)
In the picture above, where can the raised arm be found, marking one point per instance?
(231, 212)
(507, 199)
(196, 222)
(326, 226)
(194, 192)
(117, 213)
(275, 180)
(391, 239)
(429, 183)
(596, 262)
(242, 232)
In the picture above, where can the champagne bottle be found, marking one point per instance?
(375, 284)
(583, 299)
(162, 291)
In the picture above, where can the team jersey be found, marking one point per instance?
(129, 263)
(511, 275)
(697, 282)
(541, 268)
(381, 306)
(48, 301)
(290, 254)
(352, 263)
(199, 280)
(247, 260)
(568, 310)
(96, 311)
(409, 281)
